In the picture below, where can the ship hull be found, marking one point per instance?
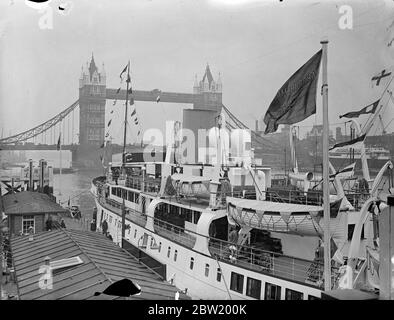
(202, 280)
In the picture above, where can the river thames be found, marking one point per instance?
(76, 187)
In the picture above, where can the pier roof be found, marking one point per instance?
(28, 202)
(103, 263)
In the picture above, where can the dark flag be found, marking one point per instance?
(355, 143)
(107, 135)
(138, 132)
(368, 109)
(130, 90)
(122, 288)
(380, 76)
(117, 91)
(296, 99)
(121, 74)
(345, 172)
(158, 99)
(136, 120)
(103, 145)
(133, 113)
(109, 122)
(112, 111)
(58, 142)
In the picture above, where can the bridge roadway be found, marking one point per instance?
(143, 95)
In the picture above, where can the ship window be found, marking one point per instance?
(189, 215)
(135, 233)
(272, 292)
(253, 288)
(27, 222)
(168, 252)
(350, 231)
(197, 215)
(113, 191)
(206, 269)
(191, 263)
(237, 282)
(219, 275)
(294, 295)
(159, 246)
(175, 255)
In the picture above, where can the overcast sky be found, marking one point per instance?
(256, 45)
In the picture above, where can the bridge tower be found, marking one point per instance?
(206, 107)
(92, 98)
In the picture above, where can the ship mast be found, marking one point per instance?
(125, 118)
(124, 151)
(326, 195)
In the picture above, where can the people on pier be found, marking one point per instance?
(49, 223)
(63, 224)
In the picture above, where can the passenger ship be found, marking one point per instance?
(219, 231)
(189, 232)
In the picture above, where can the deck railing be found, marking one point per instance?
(291, 268)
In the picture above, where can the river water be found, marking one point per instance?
(76, 187)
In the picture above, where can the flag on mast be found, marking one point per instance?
(296, 99)
(346, 172)
(354, 143)
(121, 74)
(366, 110)
(58, 142)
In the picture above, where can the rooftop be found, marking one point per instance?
(28, 202)
(103, 263)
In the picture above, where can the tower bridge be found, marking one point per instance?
(85, 139)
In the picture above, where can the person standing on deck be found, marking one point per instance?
(105, 227)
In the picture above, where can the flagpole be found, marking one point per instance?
(326, 195)
(60, 168)
(125, 116)
(124, 150)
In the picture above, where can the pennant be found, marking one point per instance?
(131, 101)
(107, 135)
(121, 74)
(114, 102)
(102, 145)
(58, 142)
(355, 143)
(138, 132)
(296, 99)
(169, 189)
(380, 76)
(112, 111)
(158, 99)
(133, 113)
(121, 288)
(109, 122)
(366, 110)
(117, 91)
(130, 91)
(345, 172)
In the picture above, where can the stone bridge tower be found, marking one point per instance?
(92, 98)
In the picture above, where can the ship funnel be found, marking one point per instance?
(301, 176)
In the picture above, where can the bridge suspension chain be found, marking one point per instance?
(34, 132)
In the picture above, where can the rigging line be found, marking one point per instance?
(224, 278)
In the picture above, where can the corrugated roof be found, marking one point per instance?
(28, 202)
(103, 263)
